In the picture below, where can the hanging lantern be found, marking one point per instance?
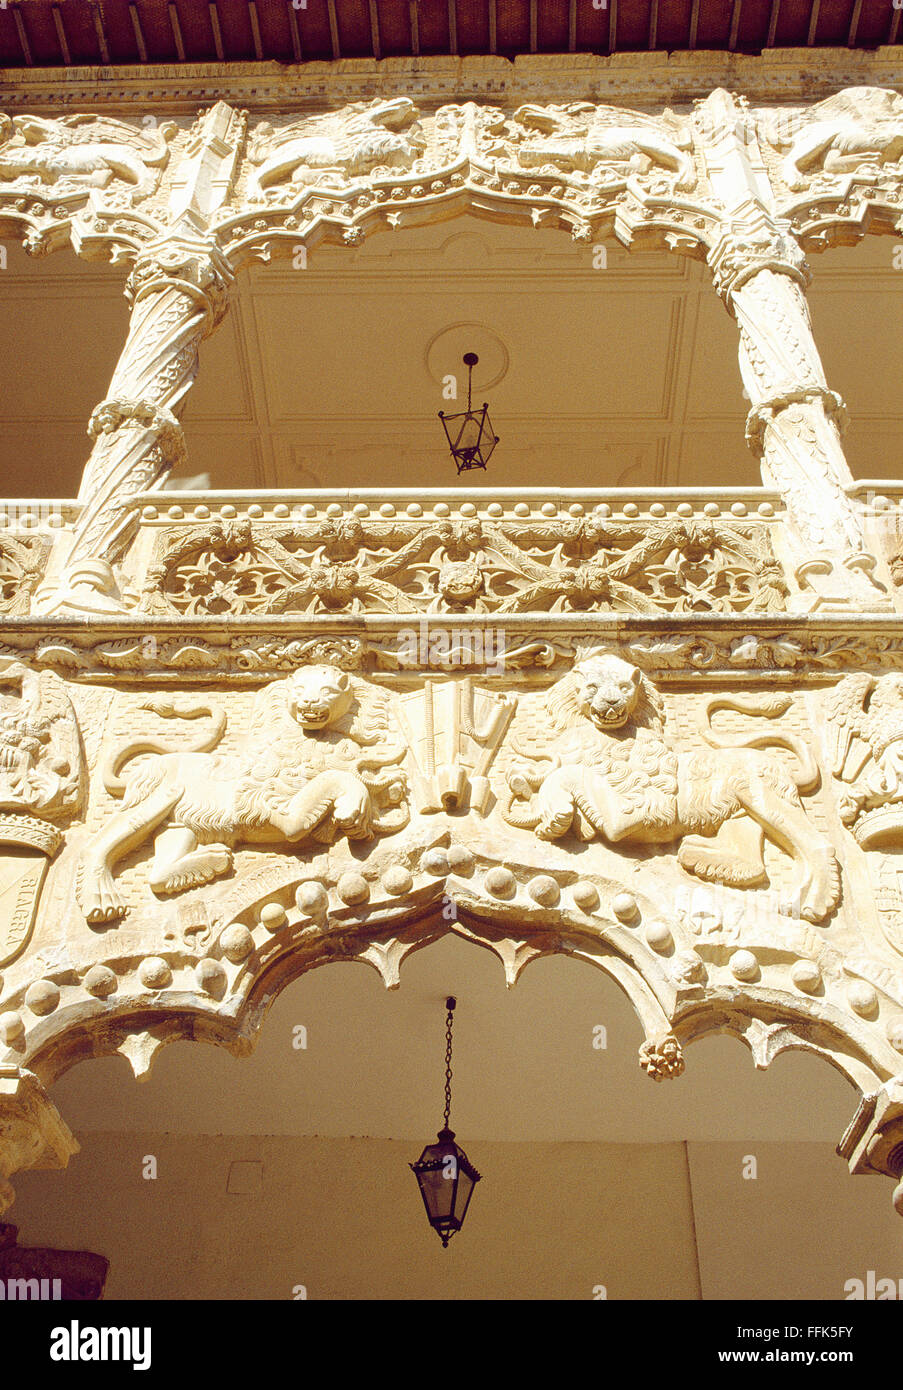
(470, 434)
(445, 1174)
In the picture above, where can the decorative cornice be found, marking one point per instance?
(497, 647)
(783, 74)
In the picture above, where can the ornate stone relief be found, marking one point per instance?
(22, 559)
(84, 151)
(321, 730)
(587, 167)
(863, 125)
(616, 774)
(676, 837)
(865, 715)
(600, 142)
(50, 170)
(308, 770)
(330, 150)
(470, 566)
(42, 783)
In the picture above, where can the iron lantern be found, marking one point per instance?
(470, 434)
(445, 1175)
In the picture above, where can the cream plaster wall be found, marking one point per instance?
(548, 1221)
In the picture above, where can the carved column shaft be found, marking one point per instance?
(178, 293)
(795, 420)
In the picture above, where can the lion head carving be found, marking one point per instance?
(609, 692)
(319, 696)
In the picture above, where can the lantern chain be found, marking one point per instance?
(448, 1065)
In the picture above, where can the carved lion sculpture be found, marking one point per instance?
(846, 130)
(303, 773)
(328, 149)
(616, 775)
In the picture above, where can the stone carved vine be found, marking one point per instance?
(22, 560)
(467, 567)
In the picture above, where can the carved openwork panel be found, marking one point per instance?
(469, 565)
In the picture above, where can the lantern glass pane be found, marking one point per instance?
(443, 1194)
(469, 434)
(465, 1186)
(450, 425)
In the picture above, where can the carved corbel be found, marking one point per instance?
(662, 1058)
(873, 1143)
(178, 290)
(32, 1132)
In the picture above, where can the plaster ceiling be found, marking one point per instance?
(326, 376)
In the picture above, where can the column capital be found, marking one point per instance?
(193, 265)
(745, 247)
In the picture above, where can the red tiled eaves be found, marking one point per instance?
(66, 33)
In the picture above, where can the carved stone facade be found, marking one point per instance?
(660, 733)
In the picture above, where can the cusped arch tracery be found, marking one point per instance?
(219, 989)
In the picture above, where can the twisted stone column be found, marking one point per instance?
(795, 422)
(178, 290)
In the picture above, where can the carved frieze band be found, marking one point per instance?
(699, 843)
(113, 185)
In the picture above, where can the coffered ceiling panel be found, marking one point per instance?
(222, 392)
(330, 350)
(330, 376)
(856, 318)
(715, 389)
